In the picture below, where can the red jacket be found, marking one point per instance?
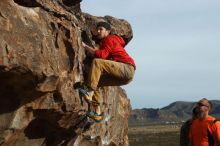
(112, 48)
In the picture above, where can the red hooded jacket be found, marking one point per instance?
(112, 48)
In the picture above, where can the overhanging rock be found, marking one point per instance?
(41, 58)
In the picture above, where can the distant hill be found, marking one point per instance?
(175, 112)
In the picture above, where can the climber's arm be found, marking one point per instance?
(91, 50)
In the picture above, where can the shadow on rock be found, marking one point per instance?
(17, 87)
(55, 127)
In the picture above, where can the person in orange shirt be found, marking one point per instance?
(205, 131)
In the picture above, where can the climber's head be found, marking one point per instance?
(103, 29)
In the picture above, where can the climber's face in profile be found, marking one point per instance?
(102, 32)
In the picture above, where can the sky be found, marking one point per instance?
(176, 47)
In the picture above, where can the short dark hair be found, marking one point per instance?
(106, 25)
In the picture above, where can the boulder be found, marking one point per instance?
(41, 59)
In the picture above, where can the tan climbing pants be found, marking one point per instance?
(108, 73)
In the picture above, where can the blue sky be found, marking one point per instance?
(176, 47)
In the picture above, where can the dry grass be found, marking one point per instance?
(154, 135)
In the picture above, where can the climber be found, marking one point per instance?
(111, 66)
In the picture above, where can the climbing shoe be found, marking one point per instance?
(96, 117)
(86, 95)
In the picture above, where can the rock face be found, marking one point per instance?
(41, 59)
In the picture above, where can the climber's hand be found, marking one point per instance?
(89, 49)
(84, 45)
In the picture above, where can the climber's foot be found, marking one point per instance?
(87, 96)
(96, 117)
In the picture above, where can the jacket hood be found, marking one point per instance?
(119, 39)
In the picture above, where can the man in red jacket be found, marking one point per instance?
(111, 66)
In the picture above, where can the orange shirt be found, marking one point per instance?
(199, 131)
(215, 130)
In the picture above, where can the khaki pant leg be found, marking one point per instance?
(97, 97)
(108, 73)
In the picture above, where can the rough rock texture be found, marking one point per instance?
(41, 58)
